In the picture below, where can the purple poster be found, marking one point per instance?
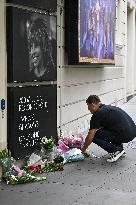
(96, 31)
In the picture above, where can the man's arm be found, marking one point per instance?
(88, 139)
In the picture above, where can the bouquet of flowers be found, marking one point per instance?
(12, 178)
(58, 159)
(47, 144)
(17, 176)
(73, 141)
(62, 147)
(52, 167)
(4, 154)
(5, 161)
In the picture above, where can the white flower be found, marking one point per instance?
(44, 140)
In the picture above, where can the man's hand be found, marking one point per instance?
(86, 153)
(87, 142)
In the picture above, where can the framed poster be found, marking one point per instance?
(93, 35)
(32, 114)
(50, 5)
(31, 46)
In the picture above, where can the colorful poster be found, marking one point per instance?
(96, 31)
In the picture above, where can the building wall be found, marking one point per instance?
(131, 40)
(3, 118)
(135, 58)
(131, 44)
(76, 83)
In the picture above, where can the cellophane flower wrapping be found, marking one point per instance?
(6, 164)
(73, 155)
(34, 159)
(6, 161)
(73, 141)
(47, 148)
(62, 148)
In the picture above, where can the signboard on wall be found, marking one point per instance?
(31, 46)
(32, 115)
(50, 5)
(92, 25)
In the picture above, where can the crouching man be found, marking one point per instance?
(110, 127)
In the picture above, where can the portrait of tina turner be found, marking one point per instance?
(41, 40)
(31, 45)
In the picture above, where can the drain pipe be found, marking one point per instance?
(60, 63)
(125, 51)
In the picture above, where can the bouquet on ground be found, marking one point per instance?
(70, 142)
(4, 154)
(73, 141)
(47, 144)
(52, 167)
(18, 176)
(47, 148)
(55, 165)
(6, 161)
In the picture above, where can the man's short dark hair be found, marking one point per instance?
(93, 99)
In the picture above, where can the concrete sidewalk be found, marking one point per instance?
(92, 181)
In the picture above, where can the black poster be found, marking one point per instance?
(32, 114)
(31, 46)
(50, 5)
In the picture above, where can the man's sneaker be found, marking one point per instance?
(124, 154)
(116, 155)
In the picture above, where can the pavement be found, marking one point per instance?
(92, 181)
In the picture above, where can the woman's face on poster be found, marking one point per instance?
(35, 55)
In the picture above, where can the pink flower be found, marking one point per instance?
(64, 148)
(17, 170)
